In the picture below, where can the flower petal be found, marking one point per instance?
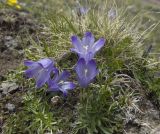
(32, 71)
(28, 62)
(80, 67)
(88, 39)
(80, 54)
(42, 77)
(83, 82)
(46, 62)
(63, 76)
(53, 72)
(83, 10)
(92, 69)
(112, 14)
(53, 86)
(76, 43)
(89, 56)
(86, 71)
(75, 50)
(98, 45)
(65, 86)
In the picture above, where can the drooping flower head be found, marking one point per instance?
(39, 70)
(59, 83)
(86, 71)
(82, 10)
(87, 47)
(112, 14)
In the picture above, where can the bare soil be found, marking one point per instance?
(14, 27)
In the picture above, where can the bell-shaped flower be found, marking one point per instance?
(86, 71)
(87, 47)
(39, 70)
(112, 14)
(59, 83)
(82, 10)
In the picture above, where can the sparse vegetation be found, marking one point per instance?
(128, 65)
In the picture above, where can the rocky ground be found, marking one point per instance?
(15, 29)
(146, 120)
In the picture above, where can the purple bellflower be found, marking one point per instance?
(87, 47)
(39, 70)
(86, 71)
(59, 83)
(112, 14)
(82, 10)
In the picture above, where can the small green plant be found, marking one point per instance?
(35, 117)
(98, 112)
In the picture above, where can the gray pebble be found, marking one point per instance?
(8, 87)
(10, 107)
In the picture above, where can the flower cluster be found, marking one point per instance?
(13, 3)
(86, 49)
(44, 71)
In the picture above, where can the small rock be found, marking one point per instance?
(59, 132)
(56, 100)
(8, 38)
(21, 52)
(10, 107)
(11, 44)
(8, 87)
